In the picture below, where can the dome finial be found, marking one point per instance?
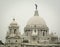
(36, 6)
(13, 19)
(36, 11)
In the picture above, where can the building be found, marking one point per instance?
(36, 34)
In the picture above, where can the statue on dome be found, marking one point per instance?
(36, 6)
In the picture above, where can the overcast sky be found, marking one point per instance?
(23, 10)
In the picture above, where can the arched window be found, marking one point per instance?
(16, 40)
(35, 30)
(43, 34)
(10, 30)
(14, 31)
(46, 32)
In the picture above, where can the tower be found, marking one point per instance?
(13, 35)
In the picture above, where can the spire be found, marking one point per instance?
(36, 11)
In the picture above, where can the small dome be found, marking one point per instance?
(13, 22)
(36, 20)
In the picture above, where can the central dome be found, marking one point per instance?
(36, 20)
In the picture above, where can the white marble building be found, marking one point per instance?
(36, 34)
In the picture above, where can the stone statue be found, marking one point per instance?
(36, 6)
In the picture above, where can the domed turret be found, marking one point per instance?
(13, 35)
(13, 30)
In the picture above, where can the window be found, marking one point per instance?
(14, 31)
(33, 46)
(16, 40)
(39, 46)
(34, 38)
(10, 30)
(34, 25)
(9, 40)
(50, 46)
(8, 46)
(48, 38)
(28, 30)
(35, 30)
(41, 30)
(25, 41)
(16, 46)
(43, 34)
(56, 46)
(22, 45)
(37, 41)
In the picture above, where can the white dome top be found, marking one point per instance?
(36, 20)
(13, 22)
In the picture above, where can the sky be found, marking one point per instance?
(23, 10)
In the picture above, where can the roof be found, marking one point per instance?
(36, 20)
